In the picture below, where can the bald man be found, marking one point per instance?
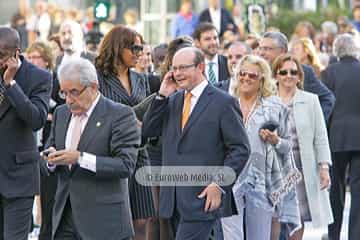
(24, 97)
(201, 126)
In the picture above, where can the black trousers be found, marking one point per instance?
(48, 186)
(15, 217)
(341, 161)
(67, 229)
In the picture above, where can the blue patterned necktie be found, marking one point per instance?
(211, 73)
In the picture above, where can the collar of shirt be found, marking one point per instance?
(196, 93)
(214, 60)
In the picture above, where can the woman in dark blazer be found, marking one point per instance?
(119, 51)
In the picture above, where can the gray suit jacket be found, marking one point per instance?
(213, 136)
(99, 201)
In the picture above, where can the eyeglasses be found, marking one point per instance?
(73, 93)
(135, 49)
(285, 72)
(182, 67)
(266, 49)
(251, 75)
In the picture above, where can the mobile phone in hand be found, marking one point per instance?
(270, 125)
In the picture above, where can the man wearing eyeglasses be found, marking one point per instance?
(236, 51)
(274, 44)
(24, 97)
(201, 126)
(93, 149)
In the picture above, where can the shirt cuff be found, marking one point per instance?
(87, 161)
(51, 167)
(220, 188)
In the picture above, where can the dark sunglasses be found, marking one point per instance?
(252, 75)
(136, 48)
(292, 72)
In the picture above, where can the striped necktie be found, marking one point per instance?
(211, 74)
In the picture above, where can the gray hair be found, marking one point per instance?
(329, 27)
(76, 69)
(344, 45)
(279, 37)
(242, 44)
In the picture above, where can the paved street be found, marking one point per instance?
(315, 234)
(310, 233)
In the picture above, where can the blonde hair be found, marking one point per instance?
(267, 86)
(312, 55)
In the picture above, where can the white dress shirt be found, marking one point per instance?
(87, 161)
(196, 93)
(215, 15)
(215, 67)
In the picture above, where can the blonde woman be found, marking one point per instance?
(262, 187)
(304, 49)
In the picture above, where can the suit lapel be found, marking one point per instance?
(93, 125)
(64, 122)
(200, 106)
(178, 103)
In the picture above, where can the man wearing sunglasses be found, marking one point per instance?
(274, 44)
(92, 148)
(24, 97)
(201, 126)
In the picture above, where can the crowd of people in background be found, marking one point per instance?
(295, 150)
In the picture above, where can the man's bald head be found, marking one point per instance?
(9, 38)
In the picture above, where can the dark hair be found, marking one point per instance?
(56, 39)
(203, 27)
(111, 48)
(174, 46)
(9, 37)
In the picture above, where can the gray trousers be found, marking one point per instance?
(258, 224)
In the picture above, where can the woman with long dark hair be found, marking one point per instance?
(119, 52)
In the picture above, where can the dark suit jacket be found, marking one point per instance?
(343, 79)
(314, 85)
(226, 22)
(213, 136)
(99, 201)
(23, 111)
(223, 69)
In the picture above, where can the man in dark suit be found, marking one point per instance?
(207, 39)
(24, 97)
(201, 126)
(219, 17)
(274, 44)
(344, 134)
(93, 150)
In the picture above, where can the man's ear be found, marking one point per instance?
(197, 43)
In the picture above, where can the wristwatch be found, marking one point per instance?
(12, 82)
(159, 96)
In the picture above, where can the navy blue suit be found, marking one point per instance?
(213, 136)
(23, 111)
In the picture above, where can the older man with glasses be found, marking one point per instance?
(92, 148)
(274, 44)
